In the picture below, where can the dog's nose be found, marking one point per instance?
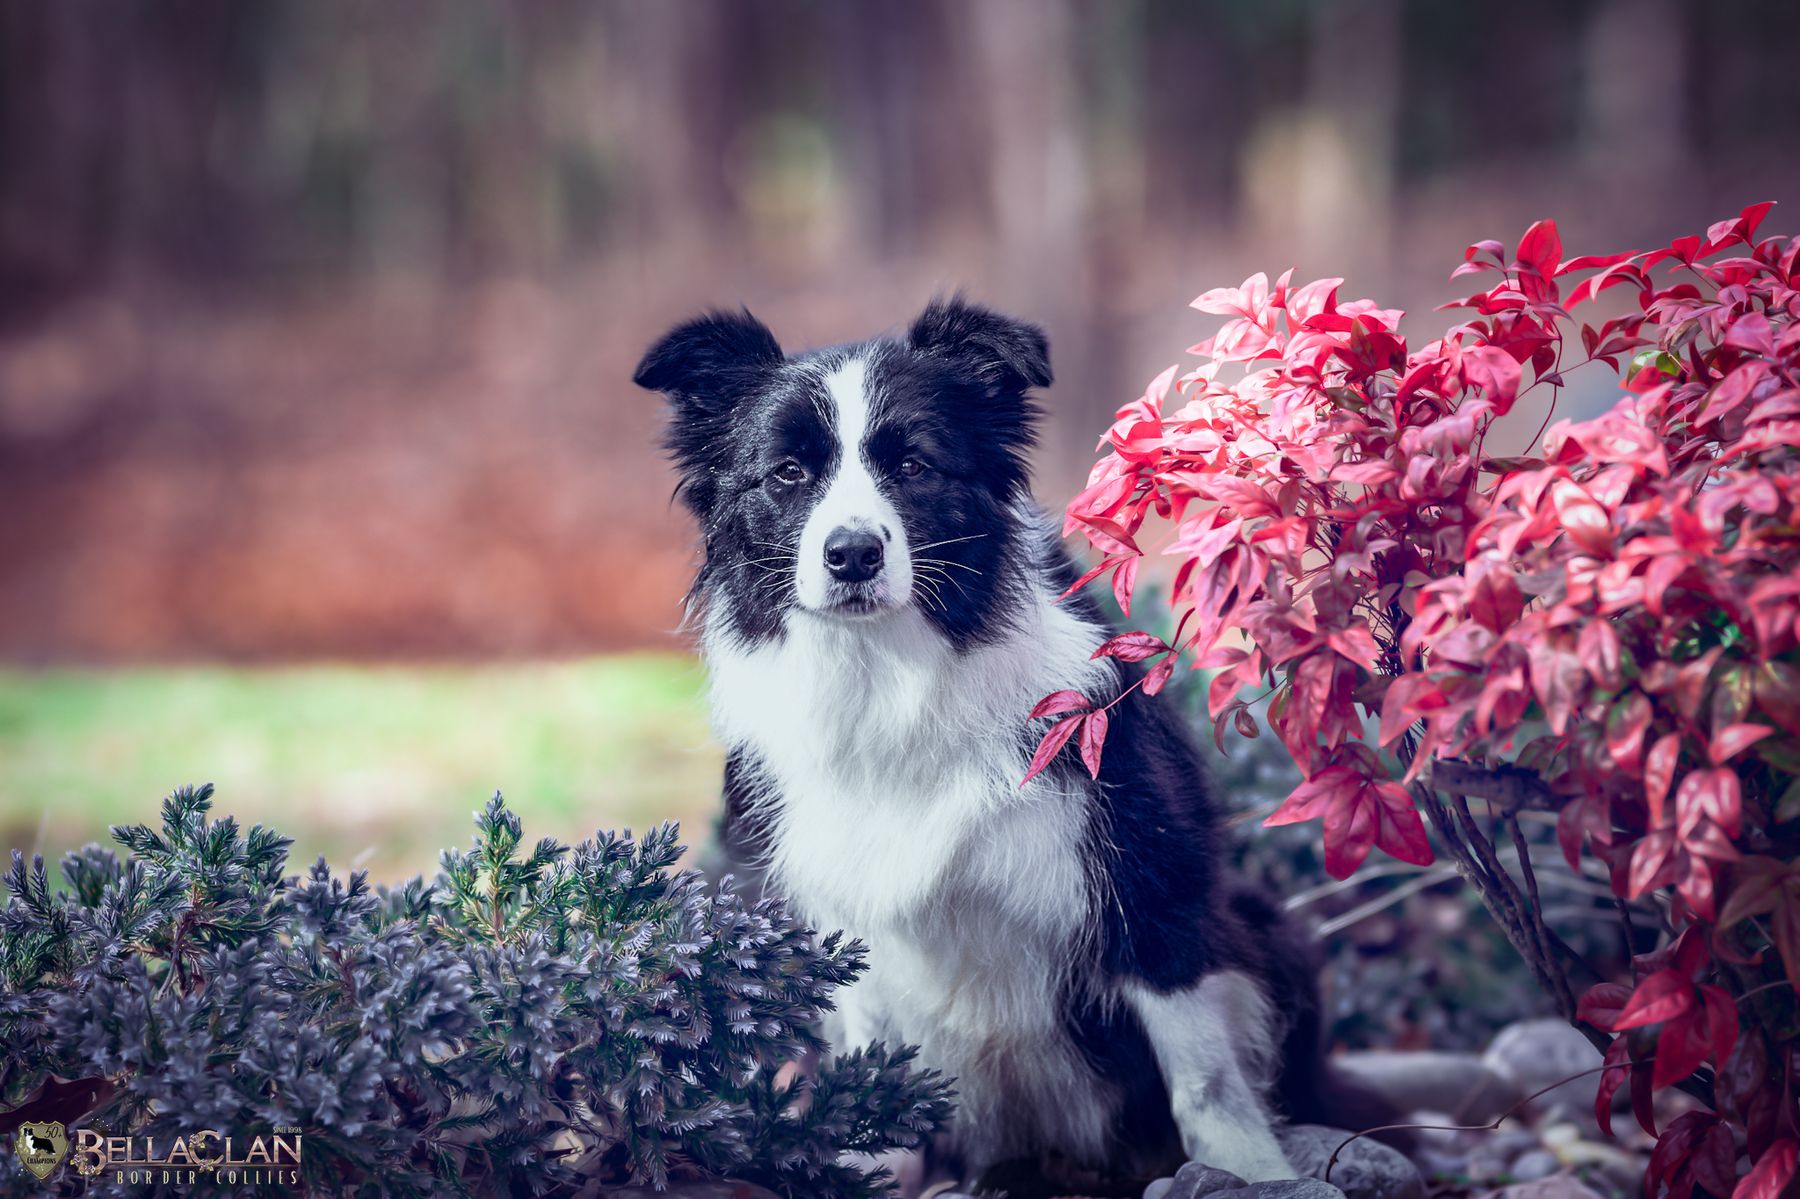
(853, 555)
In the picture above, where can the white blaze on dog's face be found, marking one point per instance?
(849, 483)
(854, 555)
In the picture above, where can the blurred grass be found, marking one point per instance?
(378, 766)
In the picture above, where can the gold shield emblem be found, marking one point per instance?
(42, 1147)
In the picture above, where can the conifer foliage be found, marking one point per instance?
(533, 1021)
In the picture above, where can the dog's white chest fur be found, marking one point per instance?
(898, 817)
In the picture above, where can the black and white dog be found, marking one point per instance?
(878, 597)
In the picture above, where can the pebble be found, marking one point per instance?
(1291, 1188)
(1366, 1169)
(1533, 1054)
(1560, 1187)
(1193, 1181)
(1534, 1164)
(1459, 1083)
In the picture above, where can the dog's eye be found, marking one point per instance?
(912, 468)
(790, 472)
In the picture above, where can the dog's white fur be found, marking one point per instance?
(892, 767)
(852, 499)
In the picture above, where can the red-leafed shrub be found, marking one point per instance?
(1604, 627)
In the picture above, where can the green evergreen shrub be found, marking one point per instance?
(531, 1022)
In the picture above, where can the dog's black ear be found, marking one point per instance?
(1008, 354)
(709, 361)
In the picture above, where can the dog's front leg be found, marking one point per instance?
(1212, 1041)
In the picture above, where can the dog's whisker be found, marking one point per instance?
(927, 581)
(931, 545)
(941, 575)
(947, 562)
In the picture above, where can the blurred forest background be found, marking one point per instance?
(317, 435)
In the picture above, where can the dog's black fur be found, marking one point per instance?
(753, 438)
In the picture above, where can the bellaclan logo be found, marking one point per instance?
(41, 1147)
(206, 1156)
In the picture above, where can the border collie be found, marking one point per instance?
(879, 607)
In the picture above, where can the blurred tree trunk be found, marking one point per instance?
(1036, 166)
(1319, 178)
(1632, 120)
(685, 90)
(63, 92)
(906, 123)
(1195, 110)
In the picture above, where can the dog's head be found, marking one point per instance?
(848, 483)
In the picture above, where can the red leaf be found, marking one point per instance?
(1626, 723)
(1690, 682)
(1106, 536)
(1584, 521)
(1784, 924)
(1659, 772)
(1058, 702)
(1777, 688)
(1494, 371)
(1713, 795)
(1618, 1069)
(1123, 581)
(1696, 887)
(1540, 248)
(1592, 261)
(1230, 710)
(1719, 1020)
(1401, 832)
(1408, 698)
(1752, 216)
(1598, 648)
(1093, 740)
(1643, 1097)
(1158, 675)
(1131, 647)
(1589, 814)
(1309, 800)
(1670, 1171)
(1714, 1163)
(1350, 832)
(1756, 888)
(1652, 863)
(1051, 745)
(1732, 740)
(1772, 1172)
(1357, 644)
(1496, 250)
(1602, 1003)
(1087, 578)
(1663, 996)
(1752, 332)
(1680, 1049)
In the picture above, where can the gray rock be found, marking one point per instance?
(1197, 1179)
(1159, 1189)
(1533, 1054)
(1534, 1164)
(1560, 1187)
(1291, 1188)
(1366, 1169)
(1461, 1084)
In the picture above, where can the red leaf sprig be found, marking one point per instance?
(1616, 610)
